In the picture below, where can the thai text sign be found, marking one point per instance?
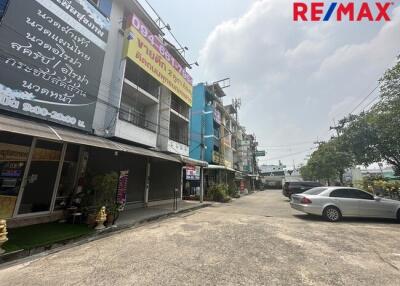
(192, 173)
(148, 52)
(52, 58)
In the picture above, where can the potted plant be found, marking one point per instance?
(105, 188)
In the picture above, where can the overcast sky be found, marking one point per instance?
(294, 78)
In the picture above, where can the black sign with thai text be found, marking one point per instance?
(51, 59)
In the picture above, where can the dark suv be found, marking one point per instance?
(290, 188)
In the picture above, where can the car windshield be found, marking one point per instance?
(315, 191)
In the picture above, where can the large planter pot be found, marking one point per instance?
(110, 219)
(91, 220)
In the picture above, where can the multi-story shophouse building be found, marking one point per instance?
(88, 89)
(216, 137)
(249, 159)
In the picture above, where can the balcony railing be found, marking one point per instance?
(175, 136)
(137, 120)
(179, 132)
(179, 106)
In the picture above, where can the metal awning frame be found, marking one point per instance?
(59, 134)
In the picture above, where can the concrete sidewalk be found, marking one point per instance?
(136, 216)
(127, 220)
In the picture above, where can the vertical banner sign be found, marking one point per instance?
(51, 59)
(241, 186)
(150, 53)
(122, 189)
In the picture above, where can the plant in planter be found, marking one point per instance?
(218, 193)
(105, 188)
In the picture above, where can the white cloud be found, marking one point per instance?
(294, 77)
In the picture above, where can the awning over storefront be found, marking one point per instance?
(220, 167)
(191, 161)
(56, 133)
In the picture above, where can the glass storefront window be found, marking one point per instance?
(68, 177)
(14, 152)
(39, 188)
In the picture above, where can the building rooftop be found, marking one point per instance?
(216, 89)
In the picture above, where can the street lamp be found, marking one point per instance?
(193, 64)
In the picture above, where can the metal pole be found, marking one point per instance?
(201, 184)
(58, 176)
(25, 177)
(147, 183)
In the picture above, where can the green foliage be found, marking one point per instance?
(218, 193)
(369, 137)
(233, 190)
(105, 190)
(328, 162)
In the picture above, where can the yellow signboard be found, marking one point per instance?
(141, 48)
(228, 164)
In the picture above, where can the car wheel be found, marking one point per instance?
(398, 216)
(332, 214)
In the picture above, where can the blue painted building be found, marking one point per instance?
(217, 138)
(207, 111)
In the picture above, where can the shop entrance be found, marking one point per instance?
(36, 176)
(14, 152)
(39, 183)
(191, 182)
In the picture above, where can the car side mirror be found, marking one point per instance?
(378, 199)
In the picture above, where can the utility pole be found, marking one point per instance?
(237, 103)
(319, 143)
(335, 127)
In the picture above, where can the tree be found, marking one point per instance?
(328, 162)
(360, 138)
(369, 137)
(374, 136)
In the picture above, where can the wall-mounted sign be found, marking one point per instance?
(192, 173)
(228, 164)
(12, 152)
(178, 148)
(260, 153)
(217, 116)
(148, 52)
(52, 58)
(216, 157)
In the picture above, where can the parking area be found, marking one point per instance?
(255, 240)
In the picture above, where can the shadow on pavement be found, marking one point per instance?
(307, 217)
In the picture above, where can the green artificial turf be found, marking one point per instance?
(32, 236)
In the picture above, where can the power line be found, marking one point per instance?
(365, 98)
(288, 145)
(288, 155)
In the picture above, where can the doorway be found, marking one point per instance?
(39, 183)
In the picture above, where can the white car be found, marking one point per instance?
(333, 203)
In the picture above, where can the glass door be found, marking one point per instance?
(14, 151)
(39, 186)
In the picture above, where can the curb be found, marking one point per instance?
(25, 256)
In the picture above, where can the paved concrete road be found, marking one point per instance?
(257, 240)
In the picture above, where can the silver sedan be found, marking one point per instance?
(333, 203)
